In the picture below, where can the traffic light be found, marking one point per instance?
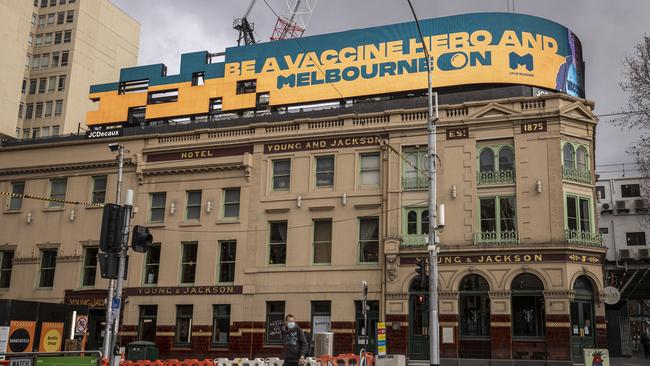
(141, 240)
(110, 237)
(421, 270)
(109, 264)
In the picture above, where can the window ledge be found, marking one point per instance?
(529, 339)
(181, 348)
(190, 223)
(96, 207)
(227, 221)
(219, 348)
(44, 288)
(13, 212)
(53, 209)
(155, 224)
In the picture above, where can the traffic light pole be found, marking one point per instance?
(111, 283)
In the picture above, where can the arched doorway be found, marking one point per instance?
(582, 318)
(418, 329)
(474, 317)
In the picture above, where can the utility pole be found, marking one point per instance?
(432, 247)
(111, 283)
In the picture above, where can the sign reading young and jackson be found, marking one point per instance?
(511, 258)
(189, 290)
(322, 144)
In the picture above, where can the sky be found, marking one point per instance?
(608, 31)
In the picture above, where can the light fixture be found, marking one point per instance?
(208, 207)
(29, 217)
(344, 199)
(538, 186)
(73, 215)
(454, 193)
(299, 201)
(172, 208)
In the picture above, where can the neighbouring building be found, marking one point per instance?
(625, 225)
(266, 199)
(53, 50)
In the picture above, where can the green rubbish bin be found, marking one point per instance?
(141, 350)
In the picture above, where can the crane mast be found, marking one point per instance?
(245, 27)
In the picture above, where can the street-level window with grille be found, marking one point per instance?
(183, 329)
(274, 322)
(220, 325)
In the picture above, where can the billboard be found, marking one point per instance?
(481, 48)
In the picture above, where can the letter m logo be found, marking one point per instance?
(517, 60)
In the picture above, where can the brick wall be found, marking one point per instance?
(558, 339)
(397, 340)
(449, 350)
(501, 336)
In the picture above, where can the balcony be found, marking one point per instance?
(414, 241)
(497, 237)
(575, 175)
(411, 184)
(496, 177)
(583, 238)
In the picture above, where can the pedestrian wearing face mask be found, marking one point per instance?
(295, 343)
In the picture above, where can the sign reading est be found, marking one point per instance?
(457, 133)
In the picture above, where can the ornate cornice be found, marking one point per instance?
(63, 167)
(396, 296)
(25, 260)
(68, 258)
(193, 169)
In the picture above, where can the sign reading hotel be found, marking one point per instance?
(480, 48)
(318, 144)
(190, 290)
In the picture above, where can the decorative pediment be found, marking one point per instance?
(494, 110)
(578, 110)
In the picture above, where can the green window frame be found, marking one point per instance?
(415, 226)
(152, 265)
(495, 164)
(576, 162)
(412, 178)
(579, 223)
(90, 267)
(500, 225)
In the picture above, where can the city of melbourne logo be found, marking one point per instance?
(515, 60)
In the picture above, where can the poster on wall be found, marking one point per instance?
(4, 337)
(21, 335)
(596, 357)
(51, 337)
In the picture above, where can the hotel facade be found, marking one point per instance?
(262, 213)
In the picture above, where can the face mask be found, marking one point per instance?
(290, 325)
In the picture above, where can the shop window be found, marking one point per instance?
(528, 312)
(188, 262)
(325, 171)
(231, 198)
(474, 307)
(152, 265)
(281, 174)
(147, 323)
(16, 203)
(157, 210)
(47, 268)
(369, 240)
(90, 267)
(274, 322)
(6, 266)
(227, 259)
(183, 329)
(322, 241)
(278, 242)
(321, 316)
(220, 325)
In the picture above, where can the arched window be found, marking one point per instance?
(528, 314)
(582, 308)
(581, 159)
(412, 222)
(583, 284)
(486, 160)
(474, 307)
(567, 153)
(425, 222)
(506, 159)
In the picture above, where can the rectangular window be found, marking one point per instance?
(325, 171)
(36, 62)
(36, 133)
(246, 86)
(34, 17)
(600, 192)
(635, 238)
(30, 39)
(322, 241)
(58, 37)
(45, 130)
(278, 242)
(369, 240)
(62, 2)
(55, 61)
(42, 85)
(48, 266)
(231, 202)
(60, 18)
(16, 203)
(498, 215)
(198, 78)
(55, 130)
(183, 329)
(369, 172)
(274, 322)
(58, 188)
(39, 40)
(24, 87)
(48, 108)
(90, 267)
(21, 107)
(32, 86)
(65, 55)
(28, 60)
(216, 105)
(158, 201)
(41, 21)
(45, 61)
(147, 323)
(193, 210)
(578, 214)
(48, 39)
(220, 325)
(67, 36)
(69, 17)
(152, 265)
(262, 101)
(134, 86)
(38, 112)
(321, 316)
(51, 84)
(51, 18)
(52, 2)
(604, 230)
(29, 111)
(99, 189)
(227, 256)
(630, 190)
(6, 265)
(163, 96)
(43, 3)
(58, 109)
(25, 133)
(281, 174)
(188, 264)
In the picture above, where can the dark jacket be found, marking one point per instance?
(295, 343)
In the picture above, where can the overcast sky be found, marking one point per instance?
(608, 31)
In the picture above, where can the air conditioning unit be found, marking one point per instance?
(622, 207)
(624, 254)
(605, 207)
(644, 253)
(640, 206)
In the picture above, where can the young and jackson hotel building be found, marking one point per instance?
(276, 177)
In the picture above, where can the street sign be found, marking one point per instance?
(381, 338)
(27, 361)
(611, 295)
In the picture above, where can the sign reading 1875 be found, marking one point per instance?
(530, 127)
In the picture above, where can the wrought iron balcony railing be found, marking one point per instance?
(576, 175)
(414, 240)
(583, 237)
(496, 177)
(421, 182)
(497, 237)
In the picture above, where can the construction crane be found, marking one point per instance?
(245, 27)
(293, 24)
